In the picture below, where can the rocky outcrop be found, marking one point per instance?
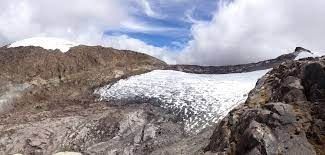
(284, 114)
(262, 65)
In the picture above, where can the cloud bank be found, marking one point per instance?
(239, 31)
(125, 42)
(73, 19)
(251, 30)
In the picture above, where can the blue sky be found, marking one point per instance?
(174, 18)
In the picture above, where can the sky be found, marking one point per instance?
(201, 32)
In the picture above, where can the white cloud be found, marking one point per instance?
(21, 19)
(148, 10)
(252, 30)
(125, 42)
(141, 27)
(80, 21)
(189, 17)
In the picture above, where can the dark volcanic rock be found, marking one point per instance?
(284, 114)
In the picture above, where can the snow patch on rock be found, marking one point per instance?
(302, 55)
(46, 43)
(198, 100)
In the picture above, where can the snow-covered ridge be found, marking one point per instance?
(199, 100)
(46, 43)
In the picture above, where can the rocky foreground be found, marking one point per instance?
(48, 106)
(284, 114)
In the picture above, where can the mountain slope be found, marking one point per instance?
(72, 73)
(262, 65)
(27, 63)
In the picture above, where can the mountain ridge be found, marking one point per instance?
(240, 68)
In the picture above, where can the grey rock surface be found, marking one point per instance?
(284, 114)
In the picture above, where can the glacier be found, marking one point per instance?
(46, 43)
(199, 100)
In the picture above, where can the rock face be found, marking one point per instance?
(262, 65)
(284, 114)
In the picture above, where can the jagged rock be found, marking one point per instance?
(284, 114)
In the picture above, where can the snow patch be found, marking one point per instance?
(198, 100)
(46, 43)
(305, 54)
